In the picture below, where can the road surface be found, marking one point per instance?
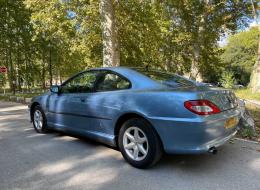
(56, 161)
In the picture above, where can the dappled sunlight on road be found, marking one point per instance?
(96, 177)
(57, 168)
(35, 135)
(255, 165)
(29, 129)
(14, 108)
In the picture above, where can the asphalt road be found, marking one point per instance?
(56, 161)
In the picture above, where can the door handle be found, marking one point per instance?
(82, 99)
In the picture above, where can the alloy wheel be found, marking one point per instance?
(38, 119)
(135, 143)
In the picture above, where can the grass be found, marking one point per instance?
(247, 94)
(31, 95)
(4, 98)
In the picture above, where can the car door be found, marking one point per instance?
(69, 108)
(107, 101)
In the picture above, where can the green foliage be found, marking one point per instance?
(240, 54)
(165, 34)
(227, 79)
(2, 80)
(41, 40)
(4, 98)
(15, 41)
(70, 31)
(247, 133)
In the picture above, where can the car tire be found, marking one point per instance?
(139, 143)
(39, 120)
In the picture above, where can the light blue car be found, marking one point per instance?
(142, 112)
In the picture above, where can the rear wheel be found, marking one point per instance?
(139, 143)
(39, 120)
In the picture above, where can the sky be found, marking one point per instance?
(224, 39)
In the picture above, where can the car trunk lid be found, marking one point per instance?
(223, 98)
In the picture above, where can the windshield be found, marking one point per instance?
(167, 79)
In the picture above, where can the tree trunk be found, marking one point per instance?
(26, 76)
(19, 86)
(12, 80)
(43, 70)
(50, 67)
(255, 76)
(195, 71)
(111, 55)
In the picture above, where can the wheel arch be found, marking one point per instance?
(34, 104)
(126, 116)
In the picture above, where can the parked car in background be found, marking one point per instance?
(239, 86)
(208, 84)
(142, 112)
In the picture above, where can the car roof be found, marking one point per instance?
(137, 79)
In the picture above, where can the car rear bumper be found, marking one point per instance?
(194, 135)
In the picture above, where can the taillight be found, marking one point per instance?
(201, 107)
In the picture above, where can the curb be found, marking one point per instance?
(19, 99)
(252, 103)
(245, 140)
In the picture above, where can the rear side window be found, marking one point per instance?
(111, 82)
(167, 79)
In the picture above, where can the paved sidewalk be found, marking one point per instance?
(257, 102)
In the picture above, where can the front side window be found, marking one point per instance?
(82, 83)
(111, 82)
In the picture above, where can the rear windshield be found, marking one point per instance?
(168, 79)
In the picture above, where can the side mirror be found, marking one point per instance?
(55, 89)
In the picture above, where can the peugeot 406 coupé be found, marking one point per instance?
(142, 112)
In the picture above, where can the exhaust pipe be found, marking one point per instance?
(213, 150)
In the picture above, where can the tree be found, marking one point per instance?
(111, 56)
(2, 81)
(50, 40)
(240, 54)
(139, 33)
(255, 76)
(15, 41)
(204, 22)
(73, 28)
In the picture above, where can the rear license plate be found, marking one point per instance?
(231, 122)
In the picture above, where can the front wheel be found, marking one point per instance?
(39, 120)
(139, 143)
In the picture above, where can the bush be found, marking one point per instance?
(227, 79)
(247, 133)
